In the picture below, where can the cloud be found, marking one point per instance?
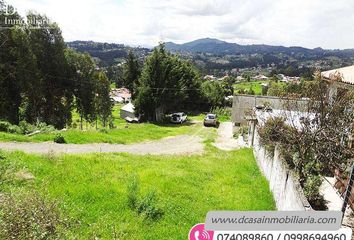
(308, 23)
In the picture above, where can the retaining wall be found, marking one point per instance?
(286, 189)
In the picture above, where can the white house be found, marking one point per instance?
(127, 112)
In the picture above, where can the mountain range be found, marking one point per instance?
(215, 46)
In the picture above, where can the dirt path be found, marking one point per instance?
(225, 140)
(183, 144)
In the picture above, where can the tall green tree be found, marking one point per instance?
(15, 61)
(131, 72)
(167, 83)
(40, 77)
(213, 93)
(48, 46)
(103, 102)
(83, 80)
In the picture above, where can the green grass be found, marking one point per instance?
(124, 133)
(246, 86)
(92, 189)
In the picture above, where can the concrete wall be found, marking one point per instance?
(243, 103)
(285, 187)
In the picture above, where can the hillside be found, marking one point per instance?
(215, 46)
(213, 56)
(107, 54)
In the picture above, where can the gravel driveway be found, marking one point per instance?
(183, 144)
(225, 140)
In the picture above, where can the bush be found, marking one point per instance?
(59, 139)
(222, 112)
(133, 192)
(30, 216)
(26, 128)
(148, 206)
(8, 127)
(103, 130)
(43, 127)
(14, 129)
(272, 131)
(4, 126)
(312, 192)
(74, 124)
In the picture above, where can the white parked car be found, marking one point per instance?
(211, 120)
(178, 117)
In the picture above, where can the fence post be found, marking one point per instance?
(348, 191)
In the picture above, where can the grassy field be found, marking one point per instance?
(93, 189)
(123, 133)
(246, 86)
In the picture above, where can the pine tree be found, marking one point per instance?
(131, 72)
(103, 102)
(167, 83)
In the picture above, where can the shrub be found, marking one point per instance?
(8, 127)
(74, 124)
(26, 128)
(43, 127)
(103, 130)
(148, 206)
(312, 192)
(59, 139)
(224, 113)
(221, 111)
(4, 126)
(133, 192)
(30, 216)
(272, 131)
(14, 129)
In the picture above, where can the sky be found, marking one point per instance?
(308, 23)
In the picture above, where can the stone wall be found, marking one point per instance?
(286, 189)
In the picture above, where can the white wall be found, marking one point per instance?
(286, 189)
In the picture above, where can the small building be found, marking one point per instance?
(209, 77)
(341, 78)
(121, 95)
(260, 78)
(127, 112)
(240, 78)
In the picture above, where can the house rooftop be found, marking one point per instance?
(347, 74)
